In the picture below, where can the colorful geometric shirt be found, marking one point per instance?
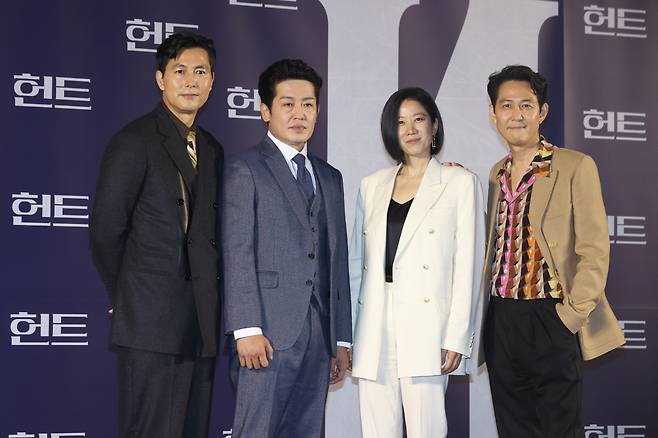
(519, 269)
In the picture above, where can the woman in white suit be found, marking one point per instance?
(415, 263)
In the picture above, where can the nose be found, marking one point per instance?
(191, 80)
(517, 113)
(298, 111)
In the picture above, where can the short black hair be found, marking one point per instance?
(172, 47)
(517, 73)
(283, 70)
(391, 115)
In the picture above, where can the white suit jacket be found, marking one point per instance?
(437, 266)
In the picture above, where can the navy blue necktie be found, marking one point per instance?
(304, 178)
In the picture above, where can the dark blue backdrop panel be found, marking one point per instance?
(79, 71)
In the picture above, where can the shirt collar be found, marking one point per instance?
(540, 164)
(180, 126)
(288, 151)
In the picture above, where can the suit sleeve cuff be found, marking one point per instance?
(249, 331)
(347, 345)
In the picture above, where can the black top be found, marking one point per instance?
(397, 214)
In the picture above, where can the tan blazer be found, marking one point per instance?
(437, 268)
(571, 229)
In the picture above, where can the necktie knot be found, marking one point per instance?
(304, 179)
(299, 160)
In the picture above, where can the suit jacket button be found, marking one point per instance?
(426, 300)
(219, 277)
(309, 282)
(426, 267)
(365, 233)
(213, 242)
(365, 268)
(214, 205)
(431, 230)
(180, 201)
(189, 241)
(360, 301)
(311, 255)
(188, 277)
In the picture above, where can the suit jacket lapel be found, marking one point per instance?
(378, 216)
(326, 184)
(542, 189)
(173, 143)
(492, 214)
(205, 165)
(429, 192)
(283, 176)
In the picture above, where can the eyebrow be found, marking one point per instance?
(515, 100)
(303, 98)
(422, 113)
(180, 64)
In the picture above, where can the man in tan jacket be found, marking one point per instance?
(545, 269)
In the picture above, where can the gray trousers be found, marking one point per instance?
(287, 398)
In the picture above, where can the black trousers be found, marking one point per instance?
(163, 395)
(535, 370)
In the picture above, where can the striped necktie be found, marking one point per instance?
(191, 147)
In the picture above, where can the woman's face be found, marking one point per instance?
(415, 130)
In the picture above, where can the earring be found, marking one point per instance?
(433, 143)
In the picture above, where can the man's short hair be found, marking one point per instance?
(172, 47)
(518, 73)
(391, 115)
(283, 70)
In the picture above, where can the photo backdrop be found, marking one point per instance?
(79, 71)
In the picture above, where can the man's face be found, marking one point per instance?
(517, 114)
(186, 82)
(294, 112)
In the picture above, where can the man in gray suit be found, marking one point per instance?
(287, 296)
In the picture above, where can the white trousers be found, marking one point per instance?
(384, 402)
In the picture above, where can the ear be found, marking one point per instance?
(265, 113)
(492, 113)
(435, 127)
(543, 112)
(159, 79)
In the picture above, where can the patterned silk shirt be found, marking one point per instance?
(519, 269)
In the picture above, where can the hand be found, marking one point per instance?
(254, 351)
(339, 365)
(449, 361)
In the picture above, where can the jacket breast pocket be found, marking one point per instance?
(268, 279)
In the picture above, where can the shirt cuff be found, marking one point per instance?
(249, 331)
(344, 344)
